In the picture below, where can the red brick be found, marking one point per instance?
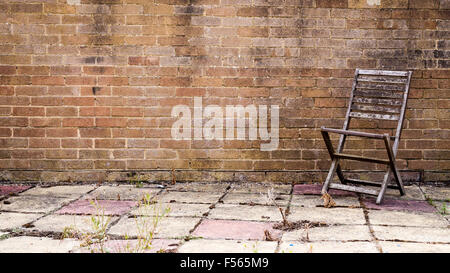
(78, 122)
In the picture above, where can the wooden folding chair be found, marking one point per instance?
(379, 95)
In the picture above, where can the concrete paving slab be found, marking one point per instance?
(412, 234)
(58, 223)
(34, 203)
(27, 244)
(346, 216)
(403, 205)
(175, 209)
(412, 192)
(12, 189)
(315, 189)
(60, 191)
(311, 201)
(199, 187)
(169, 227)
(330, 233)
(131, 246)
(400, 218)
(328, 247)
(402, 247)
(122, 192)
(98, 207)
(260, 188)
(189, 197)
(229, 229)
(243, 212)
(12, 220)
(227, 246)
(254, 198)
(436, 193)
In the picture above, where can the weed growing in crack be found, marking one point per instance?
(137, 181)
(269, 199)
(146, 226)
(4, 236)
(96, 239)
(443, 209)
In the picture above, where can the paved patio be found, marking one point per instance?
(222, 217)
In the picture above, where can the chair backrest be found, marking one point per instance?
(380, 95)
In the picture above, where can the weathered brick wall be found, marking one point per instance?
(87, 86)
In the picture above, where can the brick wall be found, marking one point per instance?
(87, 86)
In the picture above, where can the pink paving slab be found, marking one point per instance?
(10, 189)
(108, 207)
(239, 230)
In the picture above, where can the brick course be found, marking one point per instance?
(87, 87)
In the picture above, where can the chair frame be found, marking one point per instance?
(391, 150)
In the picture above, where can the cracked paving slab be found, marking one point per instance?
(260, 188)
(400, 218)
(331, 233)
(328, 247)
(121, 192)
(412, 192)
(175, 209)
(402, 247)
(346, 216)
(59, 191)
(227, 246)
(12, 220)
(243, 212)
(401, 205)
(414, 234)
(311, 201)
(36, 204)
(58, 223)
(97, 207)
(168, 227)
(436, 193)
(28, 244)
(228, 229)
(189, 197)
(254, 198)
(199, 187)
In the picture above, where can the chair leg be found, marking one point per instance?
(392, 165)
(383, 187)
(330, 175)
(328, 144)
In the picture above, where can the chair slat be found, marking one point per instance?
(373, 116)
(378, 86)
(378, 101)
(383, 72)
(389, 80)
(373, 108)
(378, 94)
